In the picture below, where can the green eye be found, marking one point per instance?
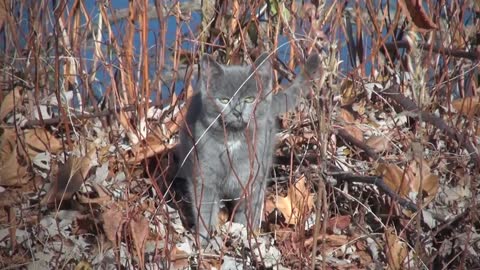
(249, 99)
(223, 100)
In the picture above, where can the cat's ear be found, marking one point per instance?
(262, 66)
(209, 67)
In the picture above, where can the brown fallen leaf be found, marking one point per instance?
(397, 249)
(103, 197)
(152, 146)
(179, 258)
(112, 221)
(423, 177)
(395, 178)
(350, 125)
(11, 101)
(13, 160)
(331, 240)
(8, 142)
(349, 93)
(140, 231)
(379, 144)
(10, 197)
(14, 170)
(404, 181)
(5, 13)
(41, 140)
(297, 204)
(339, 222)
(468, 106)
(70, 177)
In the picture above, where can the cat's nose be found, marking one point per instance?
(237, 113)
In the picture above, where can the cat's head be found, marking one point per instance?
(238, 93)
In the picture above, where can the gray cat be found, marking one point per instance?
(227, 142)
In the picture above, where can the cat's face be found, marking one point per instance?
(233, 93)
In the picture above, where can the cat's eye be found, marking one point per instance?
(223, 100)
(249, 99)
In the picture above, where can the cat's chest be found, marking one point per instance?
(234, 145)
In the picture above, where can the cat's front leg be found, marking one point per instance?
(248, 209)
(207, 206)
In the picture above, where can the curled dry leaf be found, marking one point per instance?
(179, 258)
(154, 144)
(140, 230)
(349, 92)
(4, 11)
(11, 101)
(468, 106)
(10, 197)
(40, 140)
(395, 178)
(350, 125)
(423, 177)
(417, 174)
(8, 142)
(379, 143)
(297, 204)
(13, 160)
(70, 177)
(112, 220)
(339, 222)
(14, 171)
(414, 10)
(397, 249)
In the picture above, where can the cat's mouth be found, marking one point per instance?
(237, 125)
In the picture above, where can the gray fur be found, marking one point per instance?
(226, 148)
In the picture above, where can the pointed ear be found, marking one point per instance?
(262, 66)
(209, 67)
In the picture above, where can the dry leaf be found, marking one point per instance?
(379, 143)
(297, 203)
(13, 162)
(414, 10)
(70, 178)
(10, 101)
(41, 140)
(331, 240)
(8, 142)
(112, 220)
(14, 170)
(350, 125)
(179, 258)
(140, 230)
(4, 11)
(468, 106)
(83, 265)
(406, 181)
(339, 222)
(397, 249)
(10, 197)
(153, 145)
(349, 93)
(395, 178)
(421, 171)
